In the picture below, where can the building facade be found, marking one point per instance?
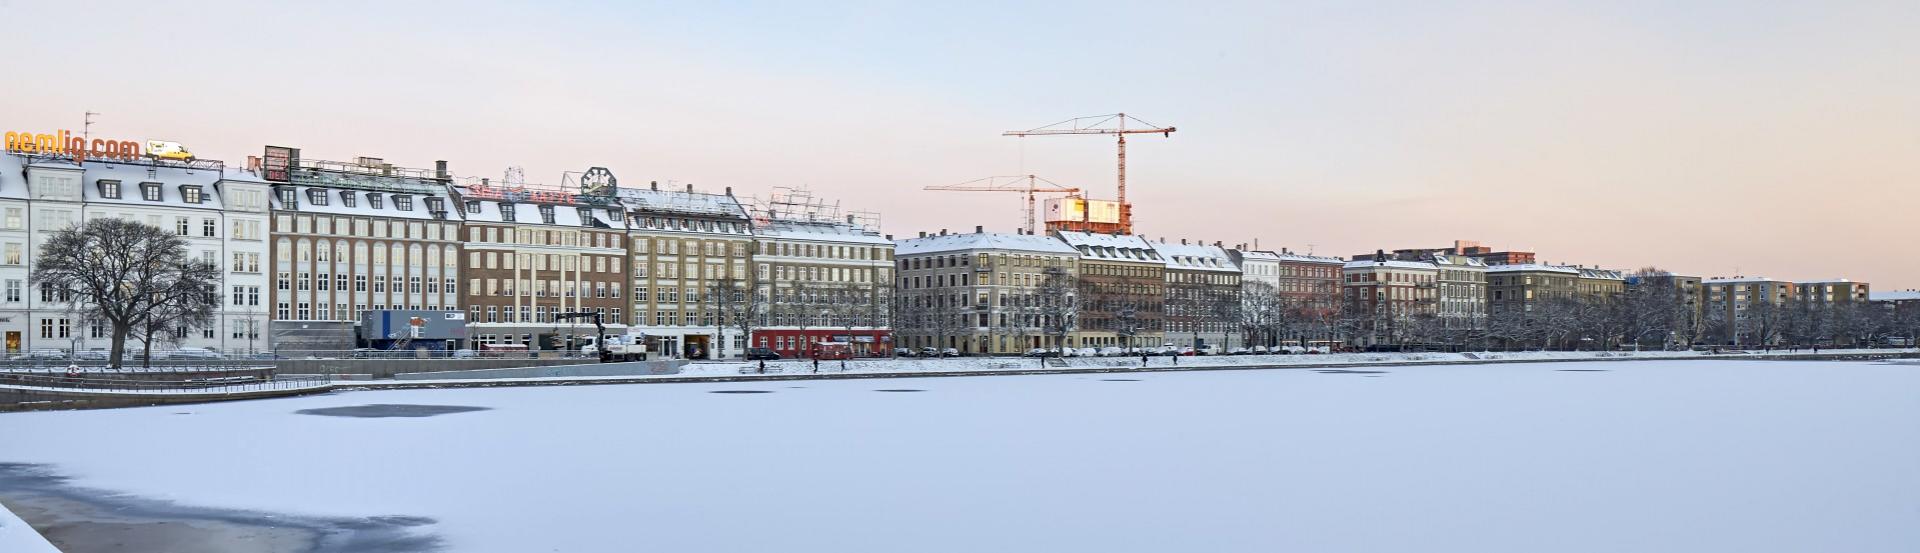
(355, 237)
(1021, 295)
(1202, 301)
(687, 249)
(531, 254)
(831, 281)
(1517, 289)
(1122, 288)
(1388, 300)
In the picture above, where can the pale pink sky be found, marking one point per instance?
(1709, 139)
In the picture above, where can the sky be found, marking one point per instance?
(1776, 139)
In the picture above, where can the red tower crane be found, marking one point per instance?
(1115, 124)
(1013, 183)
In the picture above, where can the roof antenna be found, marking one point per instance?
(86, 129)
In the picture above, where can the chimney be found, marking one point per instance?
(689, 188)
(729, 191)
(440, 169)
(656, 185)
(1216, 243)
(1183, 241)
(889, 238)
(923, 234)
(977, 229)
(943, 232)
(484, 181)
(1379, 256)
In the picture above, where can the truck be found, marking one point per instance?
(618, 348)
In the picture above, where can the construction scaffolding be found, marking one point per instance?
(791, 204)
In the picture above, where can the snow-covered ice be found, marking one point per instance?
(1657, 455)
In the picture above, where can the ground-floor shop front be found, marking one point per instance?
(686, 342)
(796, 343)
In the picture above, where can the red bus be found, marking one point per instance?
(832, 350)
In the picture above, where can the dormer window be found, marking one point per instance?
(403, 203)
(616, 215)
(289, 198)
(190, 194)
(109, 189)
(348, 199)
(473, 206)
(374, 201)
(586, 216)
(317, 196)
(506, 212)
(150, 191)
(546, 214)
(436, 204)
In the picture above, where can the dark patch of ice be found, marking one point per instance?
(385, 410)
(899, 390)
(1119, 380)
(375, 534)
(1347, 371)
(741, 392)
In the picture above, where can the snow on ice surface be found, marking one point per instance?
(17, 537)
(1745, 456)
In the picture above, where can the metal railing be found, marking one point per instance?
(206, 385)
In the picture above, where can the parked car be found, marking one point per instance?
(929, 351)
(1185, 351)
(1209, 349)
(463, 354)
(762, 354)
(1111, 351)
(194, 353)
(1239, 351)
(40, 355)
(950, 352)
(1257, 350)
(1040, 352)
(903, 352)
(365, 353)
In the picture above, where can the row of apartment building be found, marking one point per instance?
(310, 247)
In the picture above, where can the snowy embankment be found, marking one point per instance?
(1581, 457)
(17, 537)
(908, 366)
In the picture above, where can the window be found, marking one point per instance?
(180, 226)
(348, 199)
(403, 203)
(436, 204)
(506, 212)
(546, 214)
(473, 206)
(373, 201)
(190, 194)
(207, 227)
(13, 290)
(150, 191)
(317, 197)
(13, 253)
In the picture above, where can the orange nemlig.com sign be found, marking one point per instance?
(66, 144)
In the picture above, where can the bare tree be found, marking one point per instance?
(127, 274)
(738, 304)
(1057, 306)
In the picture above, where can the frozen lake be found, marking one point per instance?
(1746, 456)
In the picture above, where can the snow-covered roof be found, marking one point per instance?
(1392, 264)
(363, 206)
(132, 178)
(1458, 261)
(1828, 281)
(1195, 257)
(821, 231)
(982, 241)
(1600, 274)
(13, 181)
(1531, 267)
(1894, 295)
(672, 202)
(1740, 280)
(565, 215)
(1111, 247)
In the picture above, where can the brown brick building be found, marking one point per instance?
(535, 252)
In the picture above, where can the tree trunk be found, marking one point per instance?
(117, 356)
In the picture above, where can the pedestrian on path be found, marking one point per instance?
(1143, 359)
(816, 365)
